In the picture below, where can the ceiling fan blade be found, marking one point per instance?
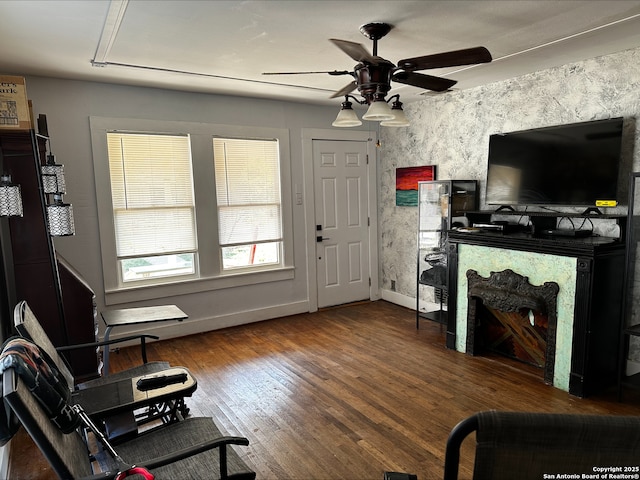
(345, 90)
(355, 51)
(437, 84)
(468, 56)
(332, 72)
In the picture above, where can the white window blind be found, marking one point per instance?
(152, 194)
(248, 191)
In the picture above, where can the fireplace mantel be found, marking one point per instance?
(589, 273)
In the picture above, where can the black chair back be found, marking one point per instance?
(535, 444)
(66, 453)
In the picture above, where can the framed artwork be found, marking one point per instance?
(407, 179)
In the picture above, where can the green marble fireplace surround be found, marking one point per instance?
(539, 268)
(589, 275)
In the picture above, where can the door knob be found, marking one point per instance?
(321, 238)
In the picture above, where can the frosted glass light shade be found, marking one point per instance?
(379, 111)
(400, 119)
(347, 118)
(60, 216)
(10, 198)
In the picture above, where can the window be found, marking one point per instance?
(153, 205)
(247, 174)
(162, 231)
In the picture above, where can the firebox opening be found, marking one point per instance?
(520, 335)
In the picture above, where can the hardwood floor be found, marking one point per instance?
(346, 393)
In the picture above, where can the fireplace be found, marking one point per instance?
(509, 316)
(587, 310)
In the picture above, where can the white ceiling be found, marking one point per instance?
(225, 46)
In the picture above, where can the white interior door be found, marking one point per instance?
(342, 221)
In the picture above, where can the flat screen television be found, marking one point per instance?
(566, 165)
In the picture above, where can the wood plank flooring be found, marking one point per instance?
(346, 393)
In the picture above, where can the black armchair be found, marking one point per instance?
(193, 448)
(125, 422)
(528, 445)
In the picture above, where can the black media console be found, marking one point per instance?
(541, 223)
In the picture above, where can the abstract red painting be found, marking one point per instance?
(407, 179)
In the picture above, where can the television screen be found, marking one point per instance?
(567, 165)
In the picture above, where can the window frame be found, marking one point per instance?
(210, 275)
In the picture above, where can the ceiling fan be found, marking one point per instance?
(373, 74)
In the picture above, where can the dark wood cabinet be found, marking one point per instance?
(34, 262)
(80, 313)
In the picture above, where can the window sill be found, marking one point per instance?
(184, 287)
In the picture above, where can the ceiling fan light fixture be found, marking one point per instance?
(346, 116)
(379, 110)
(400, 119)
(373, 77)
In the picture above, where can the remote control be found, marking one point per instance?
(160, 381)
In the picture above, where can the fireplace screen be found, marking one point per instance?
(510, 316)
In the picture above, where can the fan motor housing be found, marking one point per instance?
(373, 79)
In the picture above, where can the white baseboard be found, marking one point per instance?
(399, 299)
(407, 302)
(194, 326)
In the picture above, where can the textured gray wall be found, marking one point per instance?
(452, 132)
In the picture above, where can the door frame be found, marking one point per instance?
(308, 136)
